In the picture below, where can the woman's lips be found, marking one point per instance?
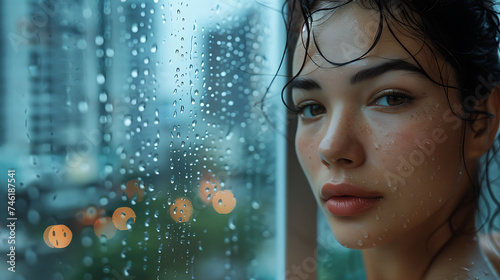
(348, 200)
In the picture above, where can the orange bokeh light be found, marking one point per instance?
(104, 227)
(133, 188)
(208, 186)
(121, 217)
(46, 236)
(87, 216)
(58, 236)
(181, 210)
(224, 202)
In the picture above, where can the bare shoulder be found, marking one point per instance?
(474, 271)
(467, 260)
(490, 245)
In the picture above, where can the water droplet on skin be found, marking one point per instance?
(365, 234)
(360, 243)
(377, 217)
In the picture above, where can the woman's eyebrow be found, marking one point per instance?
(364, 74)
(305, 84)
(379, 69)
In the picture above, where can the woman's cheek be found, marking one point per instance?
(422, 158)
(306, 145)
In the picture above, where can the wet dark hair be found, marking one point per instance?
(463, 33)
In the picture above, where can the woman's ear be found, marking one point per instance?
(482, 131)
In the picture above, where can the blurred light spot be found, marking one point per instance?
(121, 217)
(208, 186)
(133, 189)
(31, 257)
(89, 215)
(104, 227)
(33, 217)
(88, 261)
(181, 210)
(86, 241)
(46, 236)
(58, 236)
(224, 202)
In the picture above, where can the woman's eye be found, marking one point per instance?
(392, 100)
(311, 111)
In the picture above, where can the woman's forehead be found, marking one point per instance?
(350, 32)
(338, 35)
(347, 34)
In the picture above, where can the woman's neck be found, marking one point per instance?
(430, 253)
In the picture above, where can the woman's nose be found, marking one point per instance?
(341, 145)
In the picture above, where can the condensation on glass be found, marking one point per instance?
(143, 142)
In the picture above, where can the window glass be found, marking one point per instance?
(141, 141)
(336, 262)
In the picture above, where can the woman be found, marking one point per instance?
(398, 103)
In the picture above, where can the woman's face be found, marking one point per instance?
(376, 138)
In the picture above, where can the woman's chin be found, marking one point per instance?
(355, 238)
(357, 243)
